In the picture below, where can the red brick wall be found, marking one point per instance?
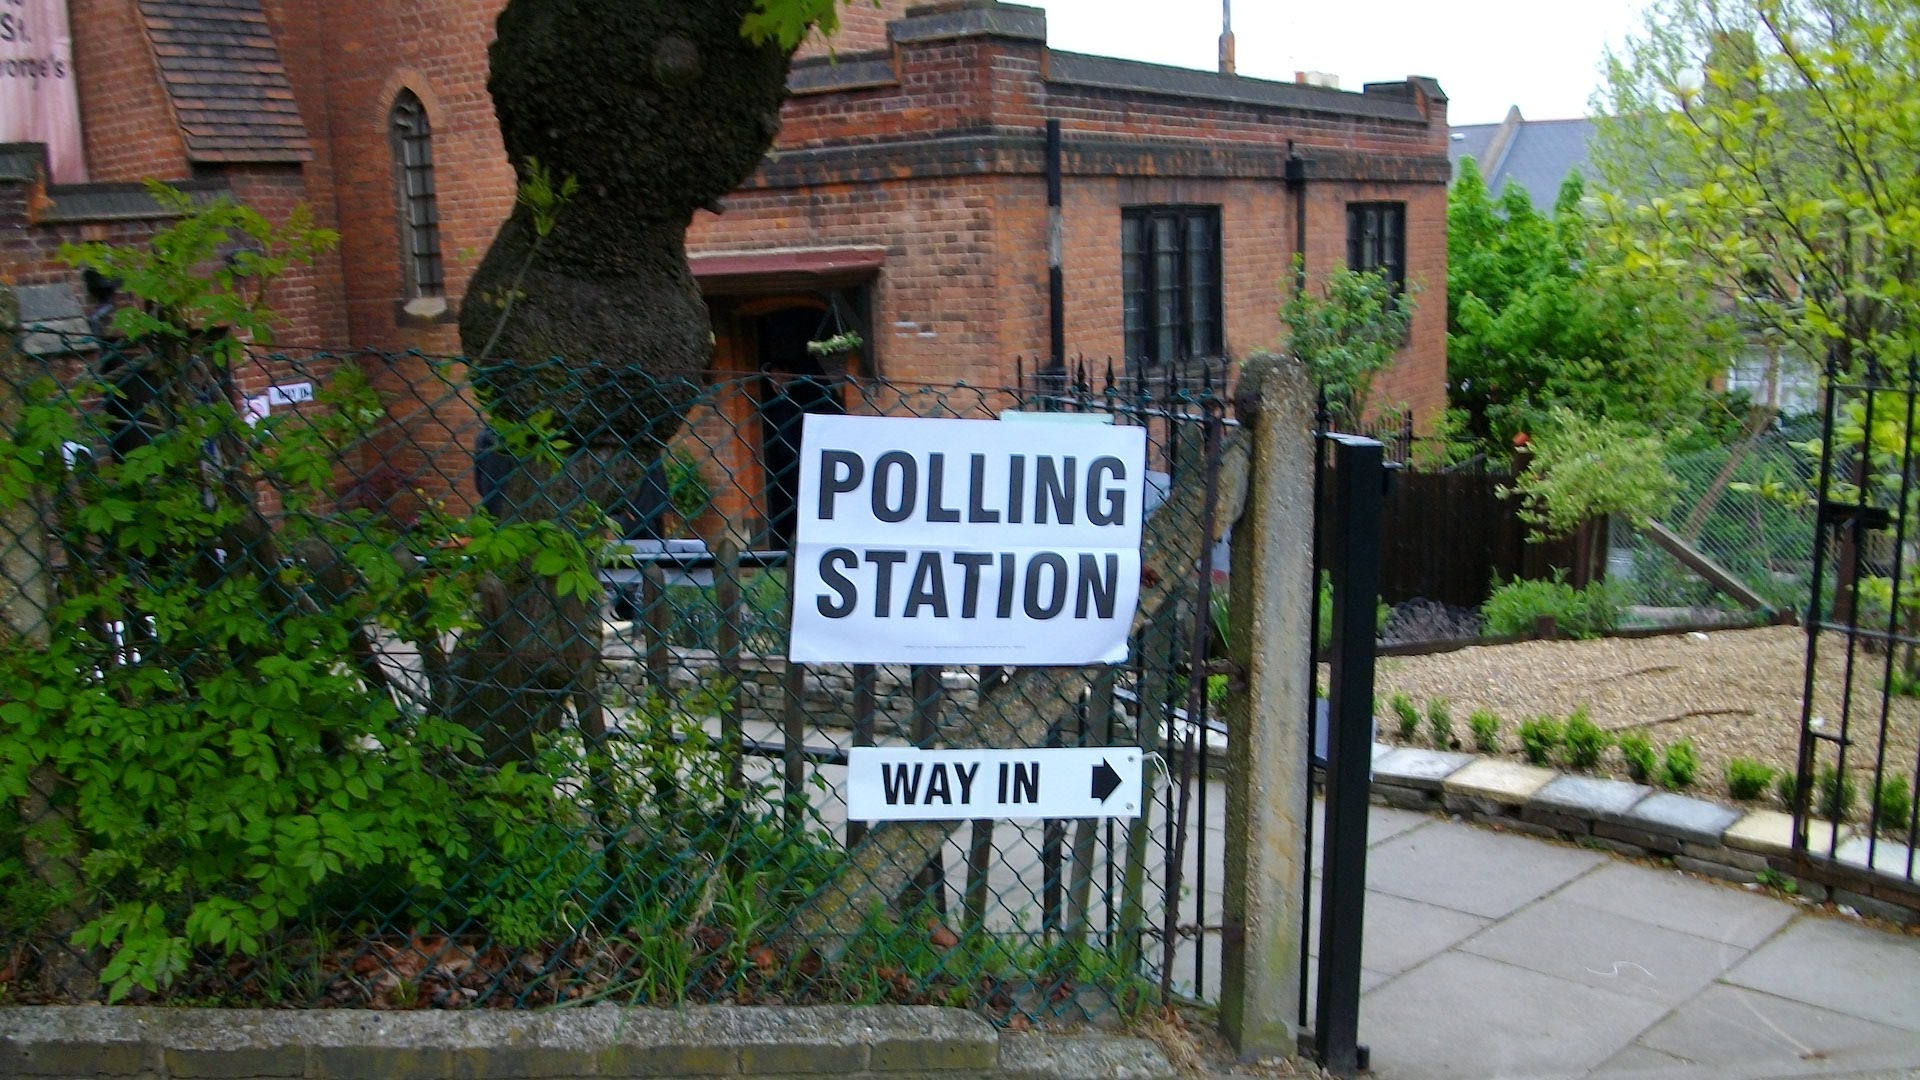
(127, 120)
(863, 28)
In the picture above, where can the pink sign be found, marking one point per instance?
(39, 97)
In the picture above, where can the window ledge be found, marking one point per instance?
(424, 311)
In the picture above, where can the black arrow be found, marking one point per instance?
(1105, 780)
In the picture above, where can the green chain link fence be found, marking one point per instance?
(380, 699)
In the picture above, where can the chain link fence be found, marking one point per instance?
(322, 683)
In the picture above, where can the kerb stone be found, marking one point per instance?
(1770, 832)
(1588, 798)
(1066, 1057)
(1667, 814)
(1507, 783)
(1424, 770)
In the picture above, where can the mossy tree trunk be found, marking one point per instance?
(656, 108)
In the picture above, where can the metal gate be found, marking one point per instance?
(1858, 764)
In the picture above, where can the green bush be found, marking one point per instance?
(1486, 731)
(1748, 779)
(1785, 786)
(1539, 738)
(1407, 713)
(1586, 742)
(1679, 766)
(1637, 750)
(1515, 607)
(1894, 800)
(1440, 723)
(1381, 613)
(1834, 793)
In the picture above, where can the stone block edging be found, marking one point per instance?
(1699, 835)
(695, 1043)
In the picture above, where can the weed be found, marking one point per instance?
(1637, 749)
(1586, 742)
(1407, 713)
(1440, 723)
(1679, 766)
(1894, 800)
(1486, 731)
(1539, 738)
(1769, 878)
(1748, 779)
(1835, 792)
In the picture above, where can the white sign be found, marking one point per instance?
(285, 393)
(966, 542)
(907, 784)
(39, 96)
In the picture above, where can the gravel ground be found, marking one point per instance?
(1734, 693)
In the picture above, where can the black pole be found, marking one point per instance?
(1297, 184)
(1359, 483)
(1056, 252)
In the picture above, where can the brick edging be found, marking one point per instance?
(1699, 836)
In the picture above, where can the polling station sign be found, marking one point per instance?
(930, 541)
(892, 783)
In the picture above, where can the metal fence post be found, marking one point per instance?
(1359, 481)
(1267, 770)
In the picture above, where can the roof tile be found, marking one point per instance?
(230, 91)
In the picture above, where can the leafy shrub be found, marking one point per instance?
(1440, 723)
(1785, 787)
(1834, 793)
(1586, 742)
(1324, 640)
(1748, 779)
(1679, 766)
(1407, 713)
(1637, 750)
(1584, 468)
(1894, 800)
(1486, 731)
(1539, 738)
(1515, 607)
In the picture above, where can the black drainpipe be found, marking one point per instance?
(1297, 184)
(1056, 245)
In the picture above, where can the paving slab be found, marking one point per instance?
(1470, 1017)
(1889, 857)
(1588, 797)
(1400, 933)
(1383, 824)
(1676, 815)
(1670, 899)
(1473, 870)
(1637, 1061)
(1606, 951)
(1729, 1029)
(1498, 780)
(1770, 832)
(1423, 769)
(1840, 966)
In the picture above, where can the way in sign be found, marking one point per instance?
(907, 784)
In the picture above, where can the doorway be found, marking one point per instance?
(793, 384)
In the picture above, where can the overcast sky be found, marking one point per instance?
(1542, 55)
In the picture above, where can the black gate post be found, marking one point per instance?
(1359, 489)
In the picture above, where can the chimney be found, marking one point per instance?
(1226, 37)
(1322, 79)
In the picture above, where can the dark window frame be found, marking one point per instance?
(1377, 240)
(1197, 327)
(423, 272)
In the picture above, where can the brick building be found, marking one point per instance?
(908, 197)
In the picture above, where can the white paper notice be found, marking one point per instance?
(966, 542)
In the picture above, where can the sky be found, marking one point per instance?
(1542, 55)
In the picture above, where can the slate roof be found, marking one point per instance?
(219, 63)
(1537, 154)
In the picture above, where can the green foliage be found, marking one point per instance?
(1893, 800)
(1486, 731)
(1769, 878)
(1542, 315)
(1347, 334)
(1748, 779)
(1407, 713)
(1382, 612)
(1785, 787)
(1680, 765)
(1513, 609)
(1540, 737)
(687, 488)
(1637, 751)
(1586, 741)
(1582, 469)
(1834, 793)
(787, 22)
(1440, 723)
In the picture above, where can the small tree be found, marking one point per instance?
(1581, 470)
(1347, 334)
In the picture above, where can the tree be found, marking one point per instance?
(1771, 148)
(1542, 313)
(1347, 334)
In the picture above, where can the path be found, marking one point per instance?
(1491, 955)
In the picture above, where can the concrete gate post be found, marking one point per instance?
(1266, 713)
